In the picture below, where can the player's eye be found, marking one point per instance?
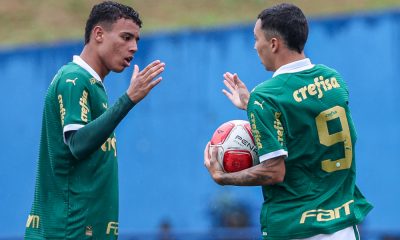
(127, 37)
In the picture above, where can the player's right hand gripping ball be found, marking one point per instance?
(235, 143)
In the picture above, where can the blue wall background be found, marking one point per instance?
(161, 141)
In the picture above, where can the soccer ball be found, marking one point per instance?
(235, 143)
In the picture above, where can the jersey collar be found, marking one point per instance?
(78, 60)
(295, 66)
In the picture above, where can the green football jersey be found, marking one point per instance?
(74, 199)
(302, 113)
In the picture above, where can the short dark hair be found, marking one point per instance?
(288, 22)
(107, 13)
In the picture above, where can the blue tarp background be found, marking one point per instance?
(161, 141)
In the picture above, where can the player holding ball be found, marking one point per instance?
(305, 136)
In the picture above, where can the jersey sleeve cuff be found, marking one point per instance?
(275, 154)
(71, 127)
(127, 101)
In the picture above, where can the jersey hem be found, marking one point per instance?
(30, 237)
(311, 233)
(327, 231)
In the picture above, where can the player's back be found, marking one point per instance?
(314, 106)
(317, 125)
(314, 126)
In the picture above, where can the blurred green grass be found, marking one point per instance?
(31, 21)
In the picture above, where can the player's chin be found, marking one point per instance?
(119, 68)
(267, 67)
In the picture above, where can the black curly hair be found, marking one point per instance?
(107, 13)
(288, 22)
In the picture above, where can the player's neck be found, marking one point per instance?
(94, 61)
(288, 57)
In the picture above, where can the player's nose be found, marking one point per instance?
(133, 47)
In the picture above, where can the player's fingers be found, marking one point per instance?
(229, 85)
(154, 83)
(154, 73)
(214, 154)
(229, 77)
(148, 67)
(207, 155)
(207, 149)
(229, 74)
(149, 74)
(135, 71)
(227, 94)
(236, 80)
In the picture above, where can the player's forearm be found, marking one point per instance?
(88, 139)
(266, 173)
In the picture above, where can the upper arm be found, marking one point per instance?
(267, 128)
(275, 168)
(74, 101)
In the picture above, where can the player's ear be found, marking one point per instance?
(274, 44)
(98, 33)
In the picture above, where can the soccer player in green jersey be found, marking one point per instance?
(76, 193)
(305, 137)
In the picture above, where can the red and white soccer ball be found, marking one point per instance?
(235, 143)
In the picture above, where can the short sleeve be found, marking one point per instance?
(73, 96)
(267, 128)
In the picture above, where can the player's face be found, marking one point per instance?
(119, 45)
(262, 45)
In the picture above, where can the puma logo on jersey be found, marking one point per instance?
(71, 81)
(259, 104)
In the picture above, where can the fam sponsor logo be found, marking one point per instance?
(322, 215)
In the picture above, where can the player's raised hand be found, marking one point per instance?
(143, 81)
(238, 93)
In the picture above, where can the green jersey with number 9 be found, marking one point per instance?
(302, 113)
